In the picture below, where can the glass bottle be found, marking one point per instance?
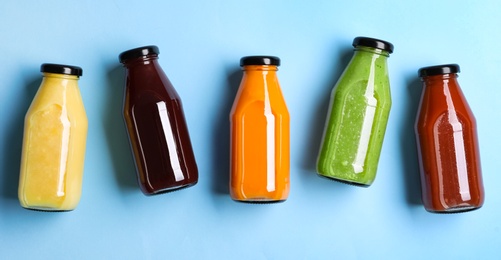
(259, 134)
(446, 133)
(358, 114)
(55, 132)
(157, 128)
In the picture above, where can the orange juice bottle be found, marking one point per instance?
(259, 118)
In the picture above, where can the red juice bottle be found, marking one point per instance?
(446, 132)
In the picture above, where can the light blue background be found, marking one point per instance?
(201, 43)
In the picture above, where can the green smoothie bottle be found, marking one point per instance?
(358, 114)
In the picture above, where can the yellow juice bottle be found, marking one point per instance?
(259, 135)
(55, 131)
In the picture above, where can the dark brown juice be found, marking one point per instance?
(157, 128)
(449, 156)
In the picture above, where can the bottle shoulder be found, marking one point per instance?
(65, 95)
(366, 71)
(438, 110)
(362, 91)
(438, 99)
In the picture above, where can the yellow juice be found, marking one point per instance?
(54, 141)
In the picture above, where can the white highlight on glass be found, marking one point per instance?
(270, 140)
(370, 111)
(65, 142)
(169, 138)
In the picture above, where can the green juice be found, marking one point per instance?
(358, 115)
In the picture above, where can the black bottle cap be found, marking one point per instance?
(374, 43)
(61, 69)
(138, 52)
(259, 60)
(438, 70)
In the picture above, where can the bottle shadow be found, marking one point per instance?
(318, 117)
(116, 135)
(408, 141)
(14, 139)
(221, 134)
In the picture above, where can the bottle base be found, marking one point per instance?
(345, 181)
(454, 210)
(48, 209)
(168, 190)
(259, 201)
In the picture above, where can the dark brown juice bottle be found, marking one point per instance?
(157, 128)
(451, 176)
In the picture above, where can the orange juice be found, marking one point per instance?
(259, 134)
(55, 132)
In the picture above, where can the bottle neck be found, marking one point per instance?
(56, 76)
(363, 50)
(260, 68)
(144, 60)
(437, 80)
